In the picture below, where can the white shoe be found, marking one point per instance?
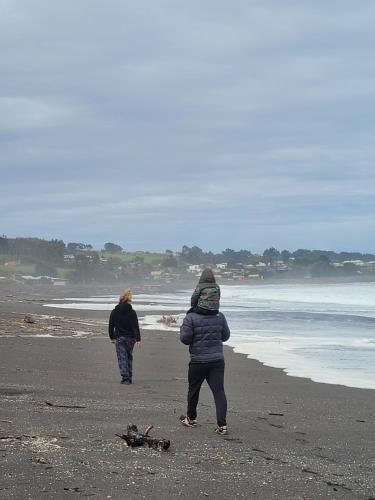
(188, 422)
(221, 429)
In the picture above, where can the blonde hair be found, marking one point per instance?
(126, 296)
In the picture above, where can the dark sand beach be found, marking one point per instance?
(289, 438)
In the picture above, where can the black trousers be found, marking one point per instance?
(213, 372)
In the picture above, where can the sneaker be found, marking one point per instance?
(222, 429)
(188, 422)
(125, 381)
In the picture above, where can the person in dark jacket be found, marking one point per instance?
(206, 295)
(204, 332)
(123, 329)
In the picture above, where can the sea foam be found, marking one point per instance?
(319, 331)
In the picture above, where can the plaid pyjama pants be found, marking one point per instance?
(124, 350)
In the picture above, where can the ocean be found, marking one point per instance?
(325, 332)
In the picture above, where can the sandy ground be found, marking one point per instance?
(62, 404)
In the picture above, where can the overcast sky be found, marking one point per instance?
(153, 124)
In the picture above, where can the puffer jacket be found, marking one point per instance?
(204, 334)
(207, 293)
(123, 322)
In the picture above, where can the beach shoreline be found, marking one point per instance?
(290, 438)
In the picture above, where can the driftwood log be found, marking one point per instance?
(135, 438)
(56, 405)
(167, 320)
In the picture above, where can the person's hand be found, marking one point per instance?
(113, 341)
(138, 343)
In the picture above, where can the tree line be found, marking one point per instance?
(33, 249)
(301, 257)
(53, 251)
(83, 264)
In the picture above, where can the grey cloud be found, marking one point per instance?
(19, 113)
(148, 115)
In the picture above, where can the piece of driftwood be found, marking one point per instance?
(29, 319)
(48, 403)
(19, 437)
(135, 438)
(167, 320)
(40, 460)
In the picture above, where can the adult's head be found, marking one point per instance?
(126, 296)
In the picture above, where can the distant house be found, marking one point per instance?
(223, 265)
(68, 257)
(227, 273)
(358, 263)
(194, 268)
(281, 266)
(249, 266)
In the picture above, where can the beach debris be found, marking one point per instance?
(301, 440)
(167, 320)
(41, 461)
(135, 438)
(19, 437)
(278, 426)
(334, 485)
(309, 471)
(29, 319)
(55, 405)
(276, 414)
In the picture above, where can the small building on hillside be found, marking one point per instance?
(10, 263)
(223, 265)
(69, 257)
(194, 268)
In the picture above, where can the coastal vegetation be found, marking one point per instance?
(31, 259)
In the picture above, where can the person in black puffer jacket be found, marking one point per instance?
(204, 331)
(123, 329)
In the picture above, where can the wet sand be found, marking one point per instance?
(289, 438)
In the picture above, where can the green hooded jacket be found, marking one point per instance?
(207, 293)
